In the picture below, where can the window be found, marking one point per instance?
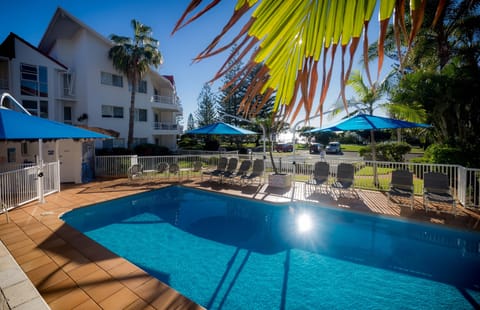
(68, 81)
(38, 108)
(139, 141)
(24, 148)
(67, 115)
(140, 115)
(112, 111)
(141, 87)
(113, 143)
(111, 79)
(12, 155)
(33, 80)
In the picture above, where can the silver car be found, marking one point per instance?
(333, 148)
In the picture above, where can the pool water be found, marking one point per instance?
(227, 252)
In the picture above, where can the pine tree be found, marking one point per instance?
(190, 122)
(206, 113)
(230, 96)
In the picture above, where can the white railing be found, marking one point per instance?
(163, 99)
(165, 126)
(465, 182)
(113, 166)
(20, 186)
(14, 166)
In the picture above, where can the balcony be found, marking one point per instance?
(166, 128)
(166, 103)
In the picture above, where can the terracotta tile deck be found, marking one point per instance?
(73, 272)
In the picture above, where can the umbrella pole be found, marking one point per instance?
(374, 158)
(40, 189)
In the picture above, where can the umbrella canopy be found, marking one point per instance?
(369, 122)
(20, 126)
(220, 128)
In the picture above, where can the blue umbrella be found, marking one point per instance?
(220, 128)
(21, 126)
(369, 122)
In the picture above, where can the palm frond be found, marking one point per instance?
(289, 37)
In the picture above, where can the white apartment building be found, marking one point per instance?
(69, 78)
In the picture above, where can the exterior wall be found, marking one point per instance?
(27, 55)
(68, 151)
(86, 55)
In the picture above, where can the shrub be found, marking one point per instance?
(113, 151)
(149, 149)
(444, 154)
(212, 145)
(187, 142)
(391, 151)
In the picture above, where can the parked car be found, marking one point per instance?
(315, 148)
(284, 147)
(333, 148)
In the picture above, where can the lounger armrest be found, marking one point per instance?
(401, 186)
(434, 190)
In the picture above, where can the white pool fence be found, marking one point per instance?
(22, 183)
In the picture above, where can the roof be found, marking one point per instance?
(64, 25)
(7, 49)
(170, 78)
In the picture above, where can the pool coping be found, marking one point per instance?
(16, 289)
(25, 221)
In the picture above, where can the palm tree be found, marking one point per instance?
(289, 38)
(133, 57)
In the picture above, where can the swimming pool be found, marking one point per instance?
(226, 252)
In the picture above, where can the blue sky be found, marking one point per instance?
(29, 19)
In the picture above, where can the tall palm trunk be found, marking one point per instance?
(131, 117)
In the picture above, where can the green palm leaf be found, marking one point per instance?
(290, 37)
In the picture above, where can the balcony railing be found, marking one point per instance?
(165, 126)
(164, 99)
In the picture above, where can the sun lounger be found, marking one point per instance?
(229, 170)
(241, 171)
(320, 174)
(256, 174)
(344, 179)
(401, 185)
(221, 166)
(436, 188)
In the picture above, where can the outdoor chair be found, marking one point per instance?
(437, 189)
(197, 167)
(344, 180)
(135, 171)
(221, 166)
(319, 176)
(257, 173)
(174, 169)
(229, 170)
(162, 168)
(241, 171)
(401, 186)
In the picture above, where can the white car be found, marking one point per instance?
(333, 148)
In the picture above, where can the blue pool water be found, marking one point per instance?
(227, 252)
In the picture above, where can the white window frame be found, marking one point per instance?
(138, 114)
(110, 111)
